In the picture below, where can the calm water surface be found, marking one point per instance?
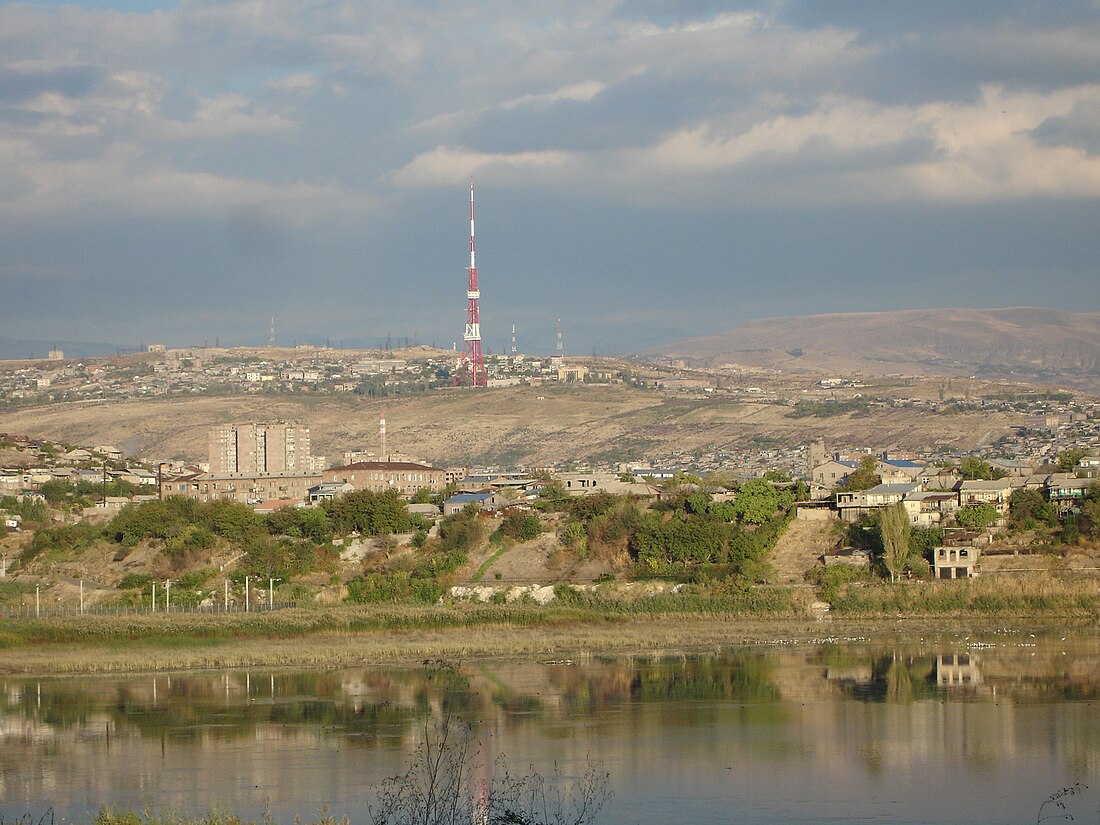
(956, 730)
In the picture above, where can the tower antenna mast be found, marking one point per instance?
(473, 362)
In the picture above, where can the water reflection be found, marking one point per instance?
(1013, 717)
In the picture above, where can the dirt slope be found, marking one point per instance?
(799, 548)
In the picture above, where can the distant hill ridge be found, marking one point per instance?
(1021, 343)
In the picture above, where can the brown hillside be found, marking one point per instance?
(1025, 344)
(515, 425)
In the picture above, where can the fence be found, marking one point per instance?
(43, 611)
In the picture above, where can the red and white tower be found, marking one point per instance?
(471, 369)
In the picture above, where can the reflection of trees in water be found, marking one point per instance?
(587, 691)
(381, 705)
(896, 677)
(739, 677)
(44, 703)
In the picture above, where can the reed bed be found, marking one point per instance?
(1041, 596)
(577, 624)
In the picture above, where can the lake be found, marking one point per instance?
(979, 728)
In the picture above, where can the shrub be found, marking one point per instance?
(393, 587)
(521, 526)
(977, 516)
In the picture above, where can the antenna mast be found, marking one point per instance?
(472, 363)
(514, 350)
(561, 349)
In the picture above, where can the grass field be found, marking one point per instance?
(344, 636)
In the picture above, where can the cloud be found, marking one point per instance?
(450, 166)
(1079, 129)
(304, 82)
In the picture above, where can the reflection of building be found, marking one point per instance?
(259, 448)
(955, 669)
(955, 562)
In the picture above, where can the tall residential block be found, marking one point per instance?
(259, 448)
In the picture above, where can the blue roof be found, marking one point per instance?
(468, 498)
(898, 463)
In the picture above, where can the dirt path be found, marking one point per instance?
(799, 548)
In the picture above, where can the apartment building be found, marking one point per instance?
(255, 449)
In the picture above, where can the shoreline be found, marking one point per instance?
(553, 639)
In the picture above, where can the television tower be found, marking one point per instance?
(472, 362)
(382, 437)
(514, 350)
(561, 349)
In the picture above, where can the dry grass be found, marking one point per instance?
(557, 636)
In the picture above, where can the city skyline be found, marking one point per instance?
(180, 172)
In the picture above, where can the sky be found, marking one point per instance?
(646, 170)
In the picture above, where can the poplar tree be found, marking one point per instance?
(893, 529)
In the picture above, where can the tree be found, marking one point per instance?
(972, 468)
(1068, 459)
(1027, 507)
(521, 526)
(862, 478)
(894, 528)
(757, 501)
(977, 516)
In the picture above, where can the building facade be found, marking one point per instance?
(407, 477)
(246, 488)
(259, 448)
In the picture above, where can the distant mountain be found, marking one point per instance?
(1024, 344)
(15, 349)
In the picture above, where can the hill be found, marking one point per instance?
(1021, 344)
(533, 426)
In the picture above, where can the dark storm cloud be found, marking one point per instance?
(1080, 129)
(21, 85)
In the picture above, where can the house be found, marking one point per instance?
(497, 481)
(939, 478)
(933, 507)
(955, 562)
(1012, 466)
(855, 505)
(997, 493)
(1066, 491)
(484, 501)
(429, 511)
(831, 473)
(327, 491)
(896, 471)
(264, 508)
(584, 484)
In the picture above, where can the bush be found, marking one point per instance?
(135, 581)
(977, 516)
(371, 514)
(828, 580)
(393, 587)
(521, 526)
